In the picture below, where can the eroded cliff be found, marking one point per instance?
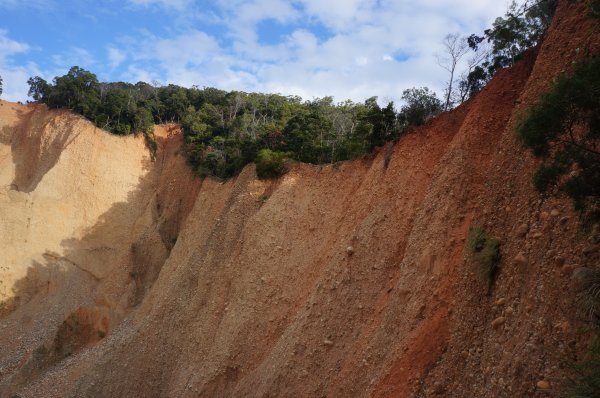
(127, 277)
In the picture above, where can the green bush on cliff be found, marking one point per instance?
(485, 252)
(563, 129)
(270, 164)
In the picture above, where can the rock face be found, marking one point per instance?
(153, 283)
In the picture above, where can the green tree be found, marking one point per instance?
(563, 129)
(78, 90)
(39, 89)
(509, 37)
(420, 106)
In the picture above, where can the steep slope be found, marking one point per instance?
(87, 222)
(345, 280)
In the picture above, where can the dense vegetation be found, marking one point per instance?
(224, 131)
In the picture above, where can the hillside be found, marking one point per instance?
(123, 276)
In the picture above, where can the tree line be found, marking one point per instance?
(224, 131)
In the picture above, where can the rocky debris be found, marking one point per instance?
(349, 250)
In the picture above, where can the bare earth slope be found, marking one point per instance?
(127, 277)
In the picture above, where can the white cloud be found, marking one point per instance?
(74, 56)
(9, 47)
(370, 48)
(341, 15)
(30, 3)
(14, 77)
(115, 57)
(175, 4)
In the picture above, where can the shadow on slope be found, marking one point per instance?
(73, 300)
(32, 153)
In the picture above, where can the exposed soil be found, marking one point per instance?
(124, 277)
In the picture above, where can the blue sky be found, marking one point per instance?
(350, 49)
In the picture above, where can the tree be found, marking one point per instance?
(0, 85)
(509, 37)
(39, 89)
(455, 47)
(563, 129)
(421, 105)
(78, 90)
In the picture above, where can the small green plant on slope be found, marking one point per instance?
(270, 164)
(485, 252)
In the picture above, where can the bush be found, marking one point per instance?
(270, 164)
(563, 129)
(485, 252)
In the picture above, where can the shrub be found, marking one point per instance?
(270, 164)
(563, 129)
(589, 293)
(485, 252)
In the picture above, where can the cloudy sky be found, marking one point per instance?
(349, 49)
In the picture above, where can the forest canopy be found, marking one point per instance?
(224, 131)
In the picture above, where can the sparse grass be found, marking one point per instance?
(485, 252)
(589, 295)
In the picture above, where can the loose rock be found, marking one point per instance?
(543, 385)
(521, 260)
(498, 322)
(522, 230)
